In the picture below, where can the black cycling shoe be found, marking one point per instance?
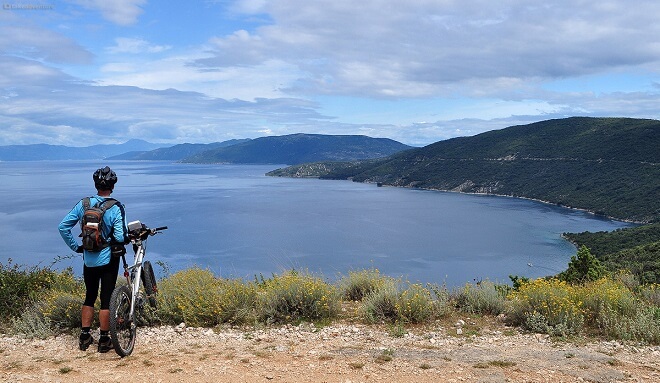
(105, 344)
(85, 341)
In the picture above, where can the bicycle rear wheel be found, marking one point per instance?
(149, 283)
(122, 326)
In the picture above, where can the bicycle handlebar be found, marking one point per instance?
(144, 232)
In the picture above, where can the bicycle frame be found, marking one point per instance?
(133, 274)
(127, 300)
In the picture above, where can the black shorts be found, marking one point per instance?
(106, 276)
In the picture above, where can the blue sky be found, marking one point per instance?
(82, 72)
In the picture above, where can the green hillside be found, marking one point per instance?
(610, 166)
(174, 153)
(300, 148)
(634, 249)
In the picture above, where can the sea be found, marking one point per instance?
(239, 223)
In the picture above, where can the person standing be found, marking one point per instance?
(100, 267)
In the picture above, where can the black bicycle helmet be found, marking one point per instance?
(104, 179)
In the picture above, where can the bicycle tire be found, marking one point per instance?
(149, 283)
(122, 327)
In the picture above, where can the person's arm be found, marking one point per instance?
(119, 229)
(68, 222)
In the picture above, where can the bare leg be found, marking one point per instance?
(87, 316)
(104, 320)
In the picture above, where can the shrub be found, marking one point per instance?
(31, 323)
(628, 279)
(295, 296)
(583, 267)
(614, 311)
(412, 304)
(441, 300)
(415, 304)
(191, 296)
(381, 304)
(61, 304)
(518, 281)
(606, 296)
(644, 326)
(359, 284)
(548, 306)
(19, 287)
(651, 294)
(237, 301)
(483, 298)
(62, 309)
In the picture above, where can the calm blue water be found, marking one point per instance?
(237, 222)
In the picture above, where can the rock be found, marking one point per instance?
(541, 338)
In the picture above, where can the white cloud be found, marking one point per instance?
(120, 12)
(409, 49)
(253, 80)
(22, 38)
(135, 45)
(265, 80)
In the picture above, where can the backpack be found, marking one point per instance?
(91, 224)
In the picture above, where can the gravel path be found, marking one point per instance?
(338, 353)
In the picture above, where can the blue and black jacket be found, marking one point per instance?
(114, 230)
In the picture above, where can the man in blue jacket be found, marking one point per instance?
(100, 268)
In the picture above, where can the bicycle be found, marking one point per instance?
(127, 300)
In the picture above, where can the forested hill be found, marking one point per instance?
(610, 166)
(300, 148)
(636, 250)
(613, 139)
(176, 152)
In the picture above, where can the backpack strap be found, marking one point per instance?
(85, 205)
(105, 205)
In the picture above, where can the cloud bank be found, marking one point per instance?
(287, 66)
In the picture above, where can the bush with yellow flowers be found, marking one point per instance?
(485, 297)
(295, 296)
(547, 306)
(358, 284)
(196, 297)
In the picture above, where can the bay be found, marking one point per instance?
(239, 223)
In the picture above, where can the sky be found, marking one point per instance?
(85, 72)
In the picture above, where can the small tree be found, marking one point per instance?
(583, 267)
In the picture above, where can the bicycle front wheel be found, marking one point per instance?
(122, 326)
(149, 282)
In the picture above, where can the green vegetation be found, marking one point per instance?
(483, 298)
(300, 148)
(605, 165)
(613, 307)
(583, 267)
(636, 250)
(38, 300)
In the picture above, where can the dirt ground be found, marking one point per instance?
(463, 352)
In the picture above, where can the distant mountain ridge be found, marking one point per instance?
(176, 152)
(300, 148)
(41, 152)
(288, 149)
(610, 166)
